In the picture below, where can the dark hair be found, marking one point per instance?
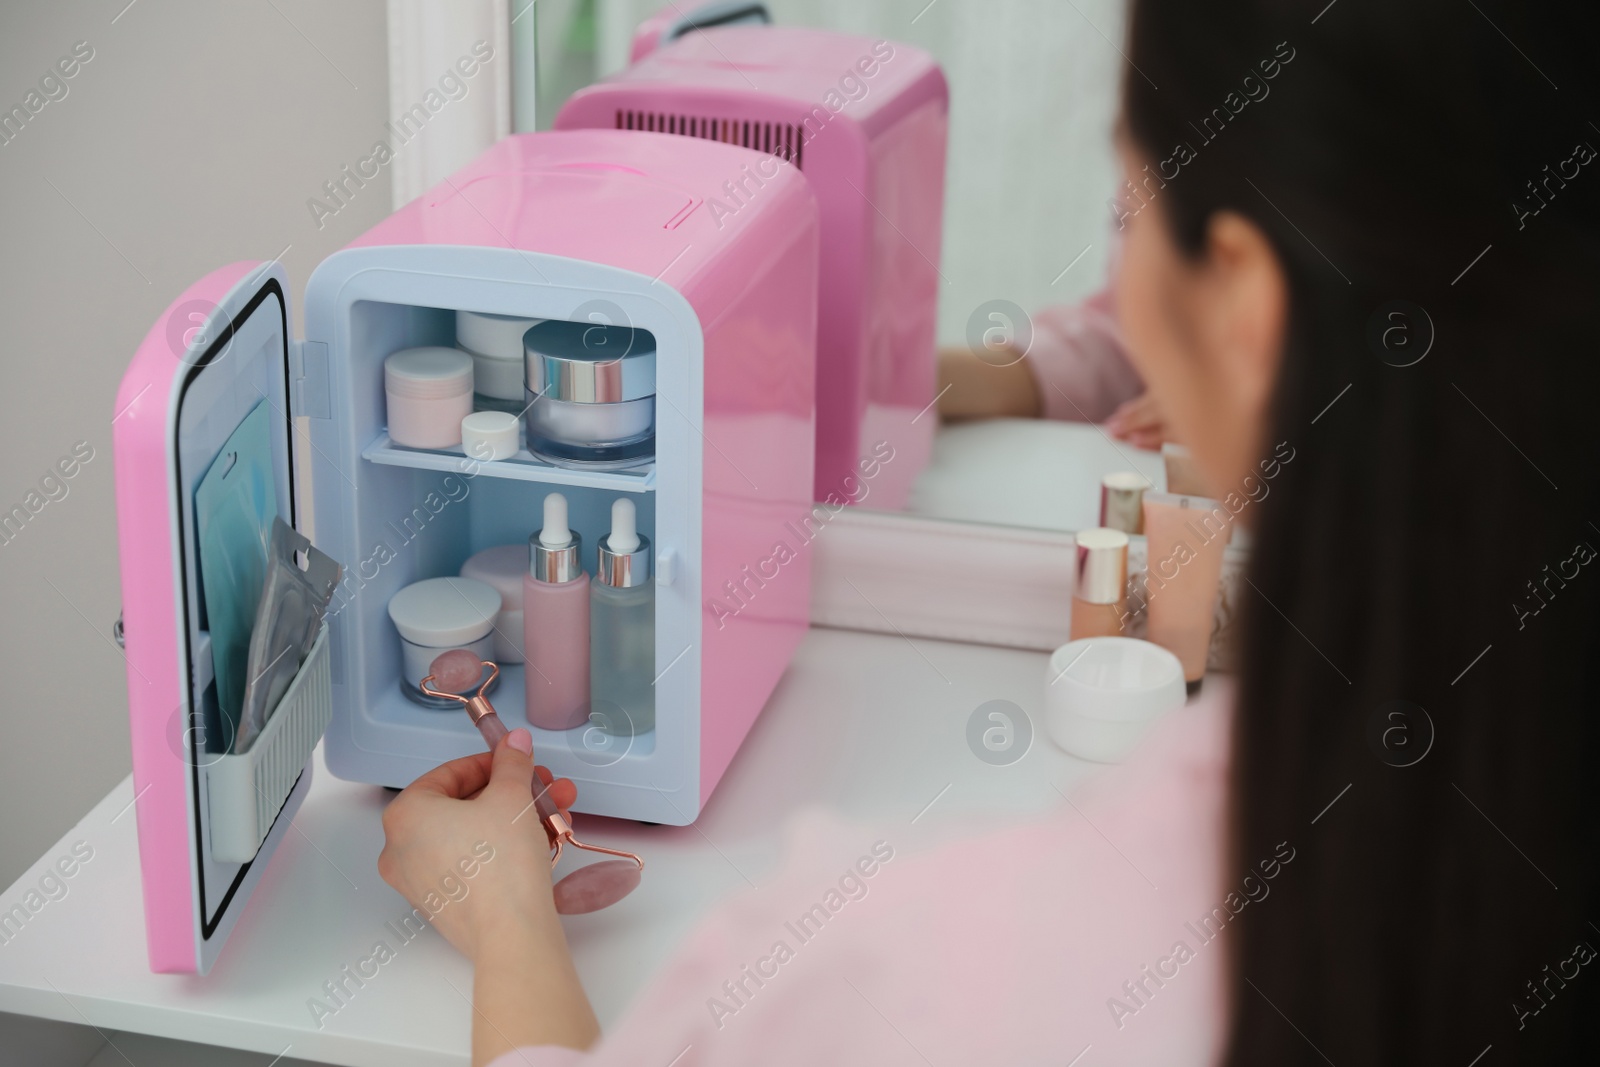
(1416, 712)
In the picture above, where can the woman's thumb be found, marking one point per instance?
(512, 770)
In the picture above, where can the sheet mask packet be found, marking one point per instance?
(235, 504)
(294, 602)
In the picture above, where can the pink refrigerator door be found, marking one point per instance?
(221, 349)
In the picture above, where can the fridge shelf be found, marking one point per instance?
(524, 466)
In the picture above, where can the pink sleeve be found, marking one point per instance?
(1080, 361)
(1089, 927)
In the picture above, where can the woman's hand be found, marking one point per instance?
(464, 844)
(1140, 423)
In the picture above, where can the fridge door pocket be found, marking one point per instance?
(246, 790)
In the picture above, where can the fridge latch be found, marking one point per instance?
(308, 366)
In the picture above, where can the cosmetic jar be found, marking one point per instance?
(495, 344)
(1102, 694)
(503, 567)
(487, 436)
(1122, 501)
(429, 392)
(591, 394)
(438, 615)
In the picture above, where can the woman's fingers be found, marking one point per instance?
(1139, 422)
(1138, 413)
(458, 779)
(562, 791)
(466, 778)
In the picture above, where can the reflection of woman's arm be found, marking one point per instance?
(1080, 361)
(1075, 370)
(972, 388)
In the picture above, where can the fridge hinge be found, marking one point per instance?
(308, 376)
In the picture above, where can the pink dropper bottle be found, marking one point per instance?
(598, 885)
(555, 623)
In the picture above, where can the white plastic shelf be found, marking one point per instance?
(246, 790)
(524, 466)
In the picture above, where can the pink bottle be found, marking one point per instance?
(555, 623)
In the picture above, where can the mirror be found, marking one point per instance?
(1027, 239)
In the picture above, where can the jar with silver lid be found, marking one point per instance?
(591, 394)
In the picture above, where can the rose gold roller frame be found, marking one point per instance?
(555, 824)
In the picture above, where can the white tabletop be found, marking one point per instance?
(872, 726)
(1037, 474)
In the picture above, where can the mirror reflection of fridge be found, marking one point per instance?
(866, 121)
(593, 227)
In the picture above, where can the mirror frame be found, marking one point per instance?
(990, 585)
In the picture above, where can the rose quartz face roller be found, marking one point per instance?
(599, 885)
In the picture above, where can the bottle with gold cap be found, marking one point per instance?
(1099, 582)
(1122, 501)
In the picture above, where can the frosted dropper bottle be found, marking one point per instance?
(555, 623)
(622, 628)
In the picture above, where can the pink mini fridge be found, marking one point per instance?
(590, 227)
(866, 122)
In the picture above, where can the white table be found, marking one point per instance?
(873, 726)
(1037, 474)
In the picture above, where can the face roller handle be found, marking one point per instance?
(457, 669)
(589, 888)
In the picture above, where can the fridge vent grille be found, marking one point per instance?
(784, 140)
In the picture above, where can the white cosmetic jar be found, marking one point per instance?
(495, 344)
(503, 567)
(438, 615)
(1103, 693)
(428, 392)
(488, 436)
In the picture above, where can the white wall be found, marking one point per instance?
(1033, 94)
(193, 138)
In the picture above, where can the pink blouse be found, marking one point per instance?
(1079, 360)
(1095, 934)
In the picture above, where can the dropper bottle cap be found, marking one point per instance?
(624, 554)
(555, 551)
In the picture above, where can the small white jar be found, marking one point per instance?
(436, 616)
(429, 392)
(488, 436)
(1103, 693)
